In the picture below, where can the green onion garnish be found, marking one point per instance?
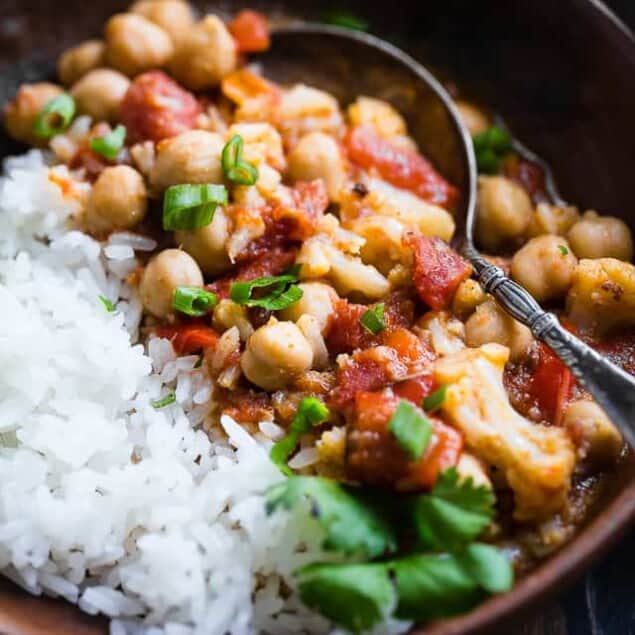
(346, 21)
(166, 401)
(108, 305)
(373, 319)
(435, 400)
(563, 249)
(281, 292)
(236, 169)
(109, 145)
(411, 428)
(193, 301)
(490, 146)
(310, 412)
(191, 206)
(55, 117)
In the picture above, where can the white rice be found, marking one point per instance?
(127, 510)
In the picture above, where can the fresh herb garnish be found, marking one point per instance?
(373, 319)
(191, 206)
(411, 428)
(165, 401)
(310, 412)
(281, 291)
(563, 249)
(435, 400)
(351, 525)
(236, 169)
(345, 20)
(490, 147)
(55, 117)
(108, 305)
(110, 144)
(193, 301)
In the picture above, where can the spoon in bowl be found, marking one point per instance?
(348, 64)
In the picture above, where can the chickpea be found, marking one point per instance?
(467, 297)
(134, 44)
(117, 201)
(489, 323)
(173, 16)
(504, 212)
(191, 157)
(598, 438)
(99, 94)
(552, 219)
(79, 60)
(601, 237)
(474, 118)
(20, 113)
(382, 116)
(168, 270)
(317, 156)
(205, 54)
(228, 314)
(545, 267)
(207, 245)
(276, 353)
(317, 301)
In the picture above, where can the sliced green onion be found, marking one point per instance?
(166, 401)
(55, 117)
(193, 301)
(435, 400)
(236, 169)
(373, 319)
(411, 428)
(346, 20)
(108, 305)
(490, 146)
(281, 292)
(563, 249)
(109, 145)
(191, 206)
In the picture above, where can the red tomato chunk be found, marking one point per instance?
(189, 338)
(299, 220)
(156, 107)
(438, 270)
(250, 30)
(399, 166)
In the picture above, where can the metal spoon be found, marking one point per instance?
(347, 64)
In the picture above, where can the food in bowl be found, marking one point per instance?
(249, 385)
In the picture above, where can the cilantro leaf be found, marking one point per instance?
(356, 596)
(487, 566)
(411, 428)
(454, 513)
(352, 526)
(310, 412)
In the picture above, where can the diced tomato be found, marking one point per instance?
(411, 350)
(300, 220)
(399, 166)
(245, 406)
(189, 338)
(530, 176)
(438, 270)
(250, 30)
(414, 390)
(551, 385)
(155, 107)
(244, 84)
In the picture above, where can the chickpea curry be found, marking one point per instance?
(305, 256)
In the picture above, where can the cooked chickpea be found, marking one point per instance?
(20, 113)
(599, 439)
(474, 118)
(99, 94)
(597, 236)
(205, 54)
(207, 245)
(552, 219)
(317, 156)
(168, 270)
(117, 201)
(79, 60)
(504, 212)
(317, 301)
(134, 44)
(191, 157)
(489, 323)
(173, 16)
(467, 297)
(545, 267)
(276, 353)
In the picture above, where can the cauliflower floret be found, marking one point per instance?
(536, 460)
(384, 246)
(263, 143)
(602, 296)
(447, 334)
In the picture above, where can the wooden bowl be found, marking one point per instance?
(559, 73)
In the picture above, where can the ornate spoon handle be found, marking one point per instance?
(610, 386)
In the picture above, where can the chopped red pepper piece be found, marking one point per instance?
(189, 338)
(250, 30)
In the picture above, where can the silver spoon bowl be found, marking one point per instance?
(348, 64)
